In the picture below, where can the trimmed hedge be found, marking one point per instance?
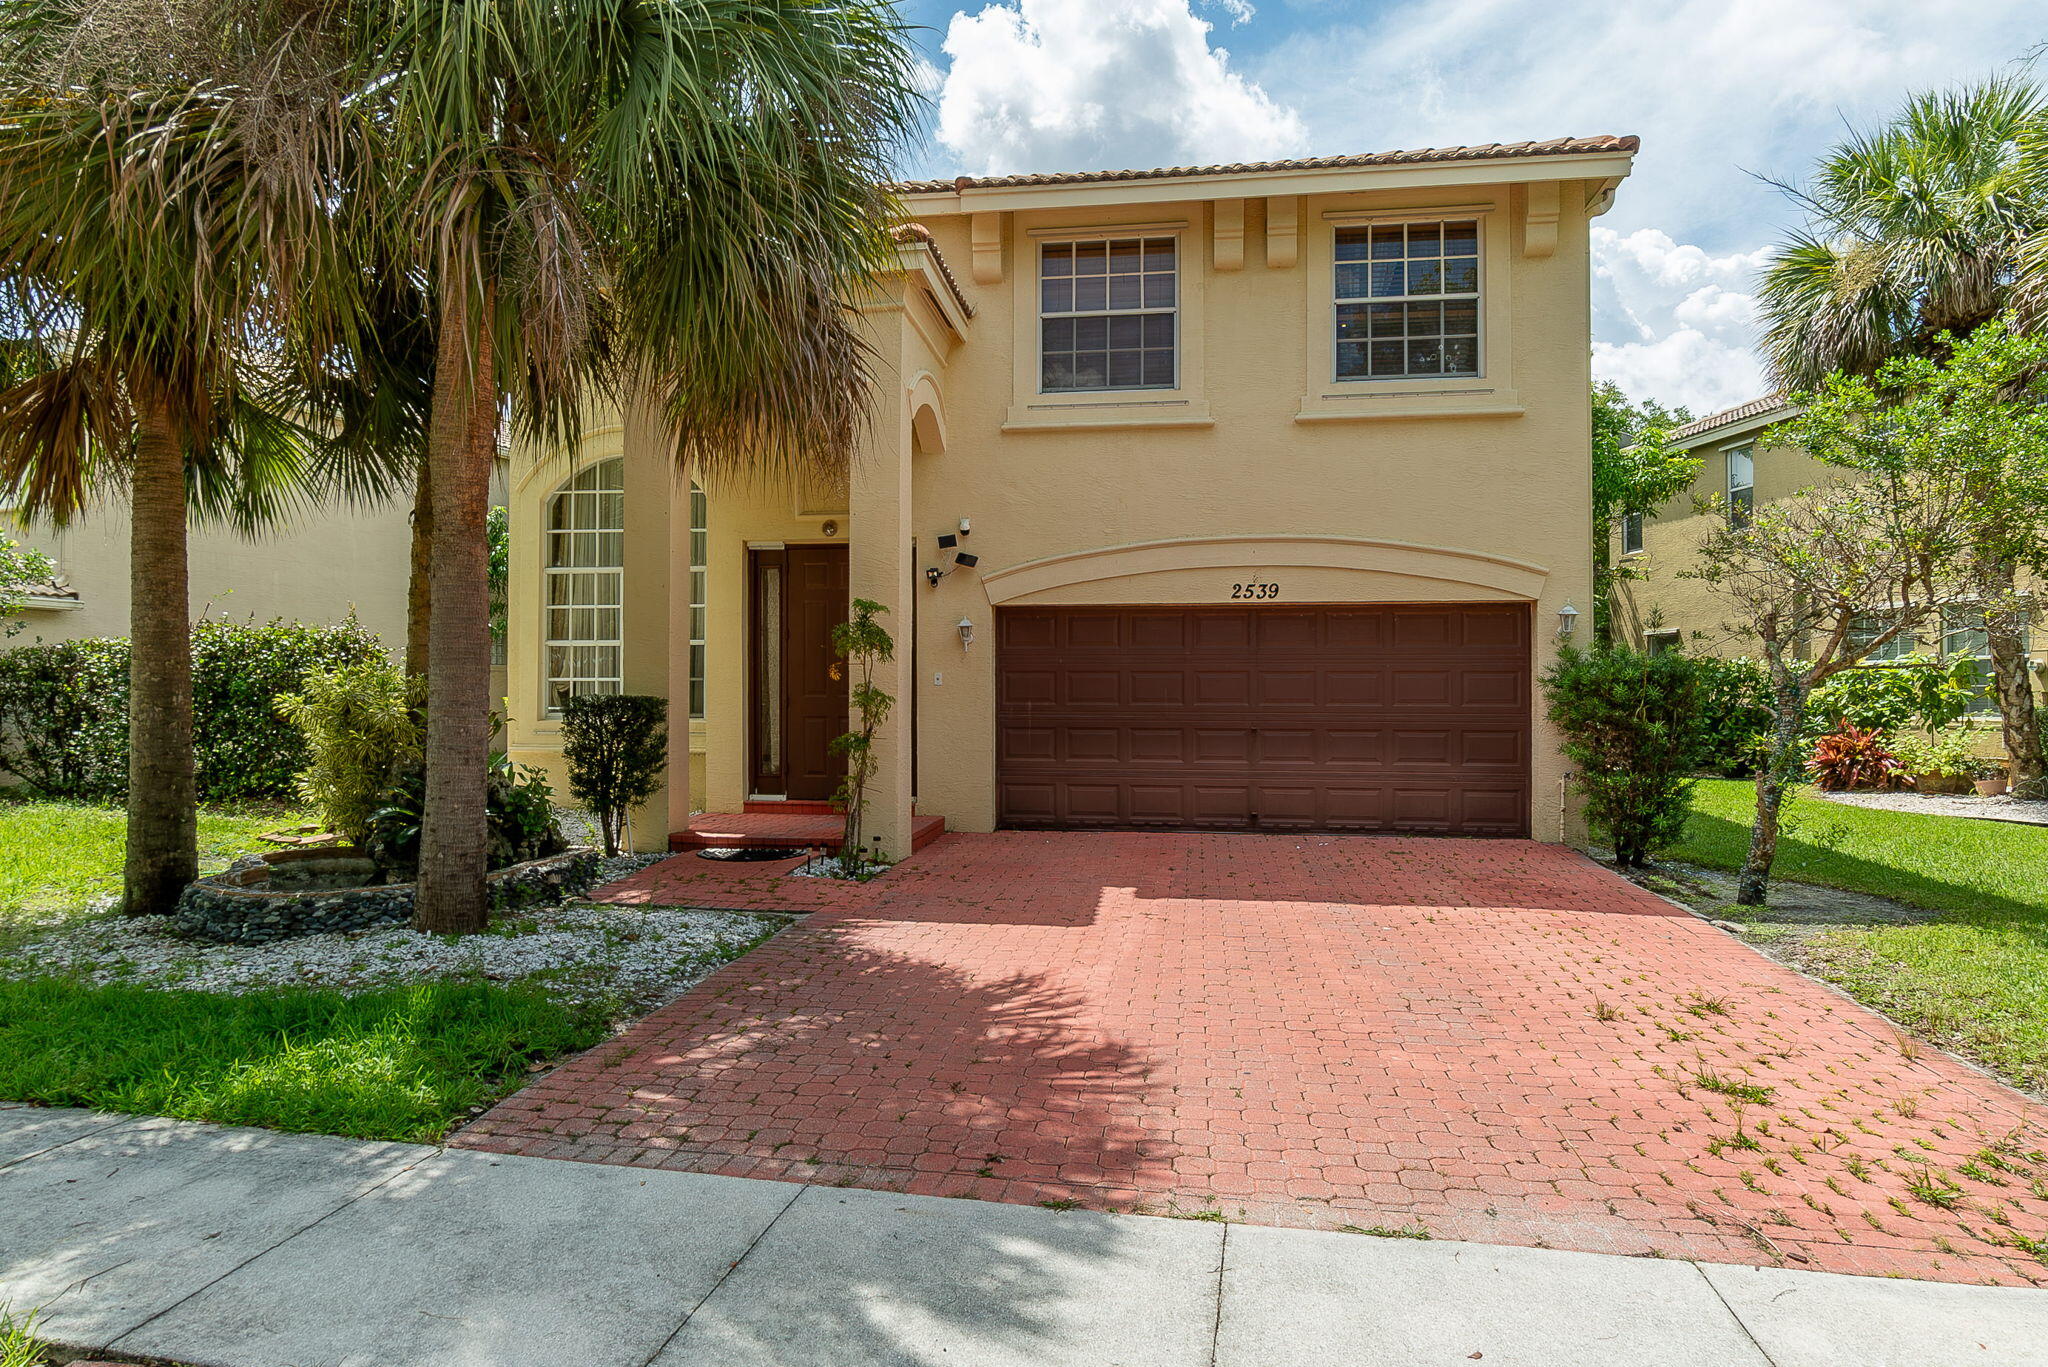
(64, 708)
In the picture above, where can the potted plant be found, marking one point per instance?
(1989, 778)
(1943, 762)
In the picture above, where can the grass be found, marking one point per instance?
(1976, 975)
(18, 1345)
(62, 857)
(401, 1064)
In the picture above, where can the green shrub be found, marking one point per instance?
(64, 708)
(519, 819)
(1918, 692)
(1631, 725)
(360, 727)
(616, 747)
(1735, 714)
(1947, 753)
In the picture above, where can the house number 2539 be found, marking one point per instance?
(1254, 590)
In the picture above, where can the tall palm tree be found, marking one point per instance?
(1919, 232)
(158, 227)
(666, 196)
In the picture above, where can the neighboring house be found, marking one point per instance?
(1658, 607)
(1226, 498)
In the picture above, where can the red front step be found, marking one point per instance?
(783, 828)
(776, 806)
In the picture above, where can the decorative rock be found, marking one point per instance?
(247, 905)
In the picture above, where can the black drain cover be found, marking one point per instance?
(755, 854)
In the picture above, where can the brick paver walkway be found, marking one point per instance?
(1496, 1040)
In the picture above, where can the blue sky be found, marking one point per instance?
(1721, 91)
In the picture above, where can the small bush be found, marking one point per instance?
(1918, 691)
(1631, 725)
(616, 746)
(64, 708)
(1735, 715)
(360, 726)
(519, 819)
(1855, 758)
(1948, 753)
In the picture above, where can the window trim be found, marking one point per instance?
(1339, 221)
(1041, 239)
(1632, 533)
(1728, 486)
(549, 572)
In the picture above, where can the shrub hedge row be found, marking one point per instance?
(64, 708)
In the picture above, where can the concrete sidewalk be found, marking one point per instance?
(244, 1248)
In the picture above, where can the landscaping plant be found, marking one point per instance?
(19, 568)
(1853, 757)
(1917, 691)
(1632, 730)
(1735, 714)
(1950, 753)
(863, 643)
(616, 747)
(1634, 470)
(519, 820)
(361, 729)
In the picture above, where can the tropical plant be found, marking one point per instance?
(1918, 691)
(616, 747)
(1736, 714)
(1632, 730)
(20, 567)
(1854, 757)
(361, 730)
(863, 643)
(1635, 470)
(672, 194)
(1950, 753)
(498, 533)
(519, 819)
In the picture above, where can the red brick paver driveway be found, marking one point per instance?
(1495, 1040)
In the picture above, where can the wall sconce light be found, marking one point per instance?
(1567, 620)
(966, 632)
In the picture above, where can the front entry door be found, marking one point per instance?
(799, 595)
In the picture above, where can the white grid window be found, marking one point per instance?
(1631, 533)
(585, 576)
(1867, 627)
(1964, 637)
(1106, 314)
(1408, 300)
(1741, 485)
(700, 557)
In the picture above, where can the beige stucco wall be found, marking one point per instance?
(317, 568)
(1256, 467)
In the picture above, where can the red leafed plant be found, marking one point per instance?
(1854, 758)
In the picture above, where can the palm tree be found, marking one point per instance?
(158, 227)
(1918, 235)
(662, 196)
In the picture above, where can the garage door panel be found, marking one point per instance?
(1351, 718)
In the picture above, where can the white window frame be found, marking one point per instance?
(598, 480)
(1878, 622)
(1477, 295)
(1746, 450)
(700, 539)
(1107, 237)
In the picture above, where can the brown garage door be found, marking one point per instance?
(1358, 718)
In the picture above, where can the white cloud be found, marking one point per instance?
(1675, 323)
(1090, 84)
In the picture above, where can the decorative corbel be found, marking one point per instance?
(1539, 219)
(1283, 233)
(1229, 234)
(986, 237)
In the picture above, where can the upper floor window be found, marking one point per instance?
(1741, 485)
(1107, 314)
(585, 577)
(1408, 300)
(1867, 627)
(1631, 533)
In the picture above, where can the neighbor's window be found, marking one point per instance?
(1963, 637)
(1741, 485)
(585, 574)
(700, 531)
(1107, 314)
(1631, 533)
(1408, 300)
(1662, 641)
(1871, 625)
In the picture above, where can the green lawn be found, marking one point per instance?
(1976, 976)
(399, 1064)
(62, 857)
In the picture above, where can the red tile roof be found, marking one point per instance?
(1728, 417)
(918, 235)
(1493, 151)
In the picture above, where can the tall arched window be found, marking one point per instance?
(586, 559)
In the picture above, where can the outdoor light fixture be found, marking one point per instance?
(966, 632)
(966, 561)
(1567, 619)
(933, 574)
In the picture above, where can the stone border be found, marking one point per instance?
(235, 908)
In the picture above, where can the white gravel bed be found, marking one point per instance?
(631, 958)
(2027, 811)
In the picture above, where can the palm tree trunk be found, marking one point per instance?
(2005, 628)
(419, 591)
(1752, 885)
(163, 803)
(461, 444)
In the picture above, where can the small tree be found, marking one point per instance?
(616, 746)
(863, 643)
(20, 567)
(1803, 574)
(1634, 471)
(361, 727)
(1632, 732)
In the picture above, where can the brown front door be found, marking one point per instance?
(799, 595)
(1373, 717)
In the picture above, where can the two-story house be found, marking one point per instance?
(1236, 498)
